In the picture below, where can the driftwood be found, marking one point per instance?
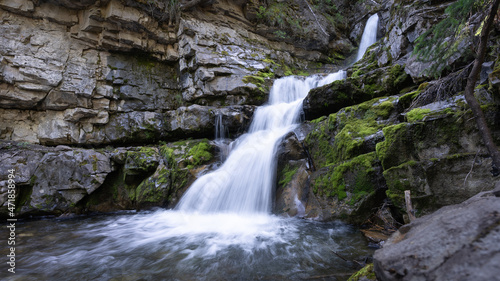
(409, 208)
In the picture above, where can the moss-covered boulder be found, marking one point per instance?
(348, 190)
(359, 87)
(350, 132)
(438, 155)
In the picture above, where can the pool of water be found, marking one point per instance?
(174, 245)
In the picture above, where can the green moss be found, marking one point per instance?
(316, 121)
(387, 151)
(155, 188)
(287, 174)
(366, 272)
(417, 114)
(406, 176)
(397, 76)
(168, 154)
(408, 98)
(252, 79)
(341, 136)
(357, 172)
(267, 60)
(265, 74)
(142, 160)
(357, 73)
(383, 109)
(199, 154)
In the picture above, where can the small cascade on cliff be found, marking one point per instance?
(369, 36)
(220, 129)
(244, 183)
(221, 140)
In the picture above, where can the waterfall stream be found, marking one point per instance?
(244, 183)
(369, 35)
(221, 229)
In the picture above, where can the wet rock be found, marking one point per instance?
(290, 149)
(454, 243)
(61, 179)
(292, 191)
(200, 120)
(346, 191)
(363, 84)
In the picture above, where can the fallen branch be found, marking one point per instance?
(409, 208)
(472, 167)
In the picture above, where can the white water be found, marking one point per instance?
(221, 229)
(174, 245)
(369, 36)
(244, 183)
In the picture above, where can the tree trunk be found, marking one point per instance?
(469, 91)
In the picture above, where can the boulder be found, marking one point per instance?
(291, 194)
(363, 84)
(457, 242)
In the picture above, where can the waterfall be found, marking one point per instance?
(369, 36)
(220, 137)
(244, 183)
(220, 129)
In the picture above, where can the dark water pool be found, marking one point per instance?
(173, 245)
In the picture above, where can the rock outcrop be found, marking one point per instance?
(121, 73)
(419, 136)
(114, 72)
(61, 179)
(457, 242)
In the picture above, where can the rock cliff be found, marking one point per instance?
(117, 73)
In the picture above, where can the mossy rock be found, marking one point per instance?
(350, 132)
(144, 160)
(398, 146)
(366, 273)
(358, 88)
(351, 189)
(189, 153)
(407, 176)
(352, 176)
(155, 189)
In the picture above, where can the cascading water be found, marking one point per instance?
(221, 230)
(244, 183)
(369, 36)
(220, 138)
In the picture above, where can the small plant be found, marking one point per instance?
(280, 34)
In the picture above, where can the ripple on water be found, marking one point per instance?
(177, 245)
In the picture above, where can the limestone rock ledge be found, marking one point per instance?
(79, 72)
(61, 179)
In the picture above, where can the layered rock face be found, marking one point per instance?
(123, 72)
(94, 72)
